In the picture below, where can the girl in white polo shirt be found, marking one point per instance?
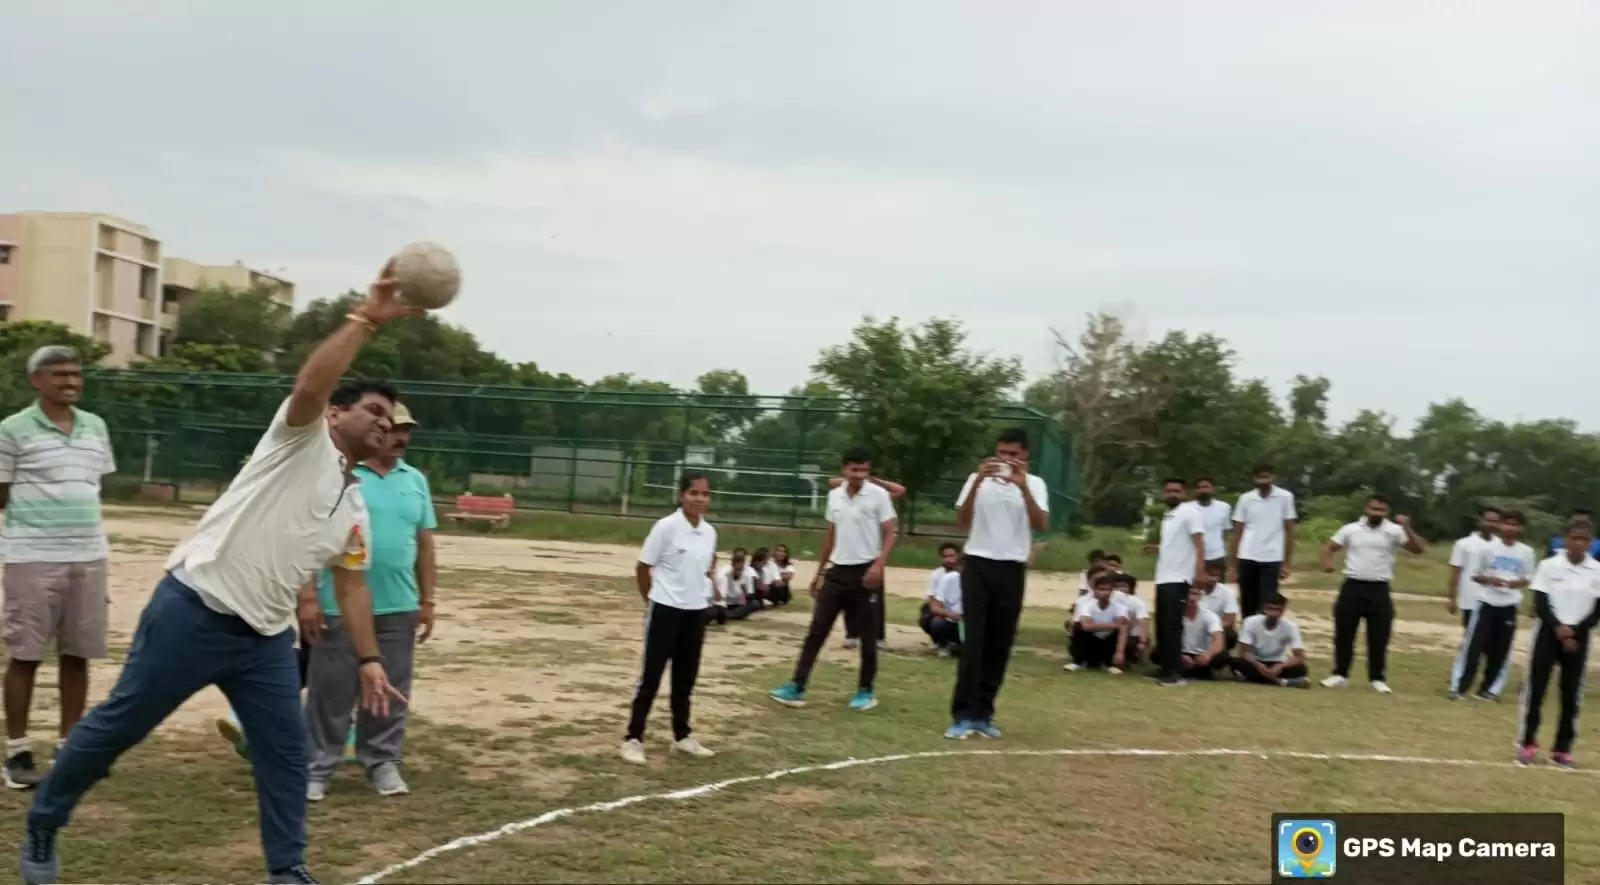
(674, 578)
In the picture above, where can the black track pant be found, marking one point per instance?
(943, 631)
(991, 603)
(1091, 650)
(1545, 655)
(1251, 674)
(670, 634)
(1490, 634)
(1358, 600)
(1257, 581)
(1171, 601)
(852, 621)
(842, 590)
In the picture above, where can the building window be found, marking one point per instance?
(164, 345)
(102, 328)
(5, 312)
(5, 253)
(141, 341)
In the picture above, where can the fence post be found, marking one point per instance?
(799, 454)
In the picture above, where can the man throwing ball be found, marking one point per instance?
(224, 613)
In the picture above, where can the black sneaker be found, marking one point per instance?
(295, 875)
(1486, 696)
(1172, 679)
(21, 773)
(40, 864)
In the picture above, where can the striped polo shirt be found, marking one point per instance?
(53, 512)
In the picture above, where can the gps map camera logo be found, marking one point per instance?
(1307, 849)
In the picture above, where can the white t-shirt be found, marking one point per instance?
(1270, 645)
(1175, 563)
(1464, 556)
(1221, 600)
(680, 556)
(858, 522)
(1572, 589)
(935, 578)
(736, 590)
(1261, 521)
(286, 515)
(772, 574)
(947, 589)
(1000, 528)
(1369, 552)
(1216, 517)
(1511, 562)
(1137, 611)
(1089, 607)
(1198, 630)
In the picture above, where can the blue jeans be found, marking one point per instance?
(182, 646)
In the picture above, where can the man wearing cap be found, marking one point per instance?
(403, 575)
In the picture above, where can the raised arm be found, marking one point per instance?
(321, 372)
(1414, 542)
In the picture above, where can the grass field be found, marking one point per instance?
(521, 700)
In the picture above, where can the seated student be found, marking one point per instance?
(1123, 592)
(1114, 562)
(941, 613)
(1271, 651)
(736, 585)
(1222, 601)
(1097, 557)
(1203, 651)
(780, 574)
(760, 562)
(1098, 630)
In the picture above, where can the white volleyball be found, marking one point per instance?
(426, 275)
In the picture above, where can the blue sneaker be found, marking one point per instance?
(789, 695)
(959, 731)
(986, 728)
(864, 700)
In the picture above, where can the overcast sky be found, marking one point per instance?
(1403, 197)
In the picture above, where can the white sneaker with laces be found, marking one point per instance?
(633, 751)
(1335, 681)
(316, 791)
(1381, 687)
(1070, 666)
(693, 747)
(386, 780)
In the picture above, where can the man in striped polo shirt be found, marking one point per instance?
(52, 455)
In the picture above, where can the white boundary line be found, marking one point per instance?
(704, 789)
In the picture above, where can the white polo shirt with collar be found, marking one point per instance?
(679, 555)
(1261, 523)
(1000, 527)
(858, 522)
(1369, 551)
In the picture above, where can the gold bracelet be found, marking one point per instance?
(358, 318)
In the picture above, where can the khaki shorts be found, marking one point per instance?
(65, 601)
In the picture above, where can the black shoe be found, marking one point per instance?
(295, 875)
(40, 864)
(1171, 679)
(21, 773)
(1485, 696)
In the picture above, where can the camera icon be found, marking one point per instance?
(1307, 849)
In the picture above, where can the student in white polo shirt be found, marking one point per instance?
(1222, 601)
(852, 626)
(1271, 651)
(1216, 516)
(1566, 597)
(1503, 567)
(1461, 594)
(1370, 545)
(1125, 590)
(861, 532)
(1001, 506)
(941, 613)
(674, 569)
(1180, 564)
(736, 584)
(224, 612)
(1262, 546)
(1203, 651)
(1098, 631)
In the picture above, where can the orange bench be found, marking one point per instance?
(493, 509)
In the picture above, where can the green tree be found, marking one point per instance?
(222, 316)
(924, 399)
(734, 408)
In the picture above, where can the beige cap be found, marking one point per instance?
(402, 416)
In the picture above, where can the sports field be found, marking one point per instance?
(521, 697)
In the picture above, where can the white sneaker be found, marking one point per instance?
(883, 645)
(1335, 681)
(1071, 667)
(1379, 686)
(941, 652)
(316, 791)
(633, 751)
(1114, 671)
(693, 747)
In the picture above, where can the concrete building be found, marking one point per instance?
(102, 276)
(181, 277)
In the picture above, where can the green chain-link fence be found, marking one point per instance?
(582, 451)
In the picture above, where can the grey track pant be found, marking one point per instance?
(333, 687)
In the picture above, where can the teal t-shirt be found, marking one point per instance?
(399, 505)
